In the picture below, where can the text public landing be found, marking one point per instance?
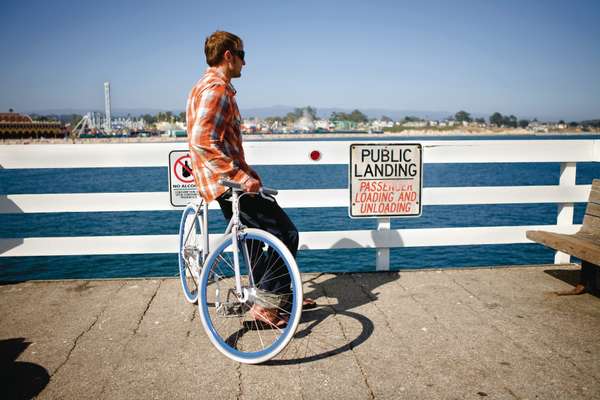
(385, 163)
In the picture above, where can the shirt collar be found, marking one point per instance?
(221, 76)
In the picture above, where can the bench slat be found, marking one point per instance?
(591, 220)
(595, 192)
(579, 245)
(591, 225)
(593, 209)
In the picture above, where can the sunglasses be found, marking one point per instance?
(239, 53)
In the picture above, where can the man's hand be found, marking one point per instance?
(251, 185)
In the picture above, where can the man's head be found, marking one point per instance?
(226, 51)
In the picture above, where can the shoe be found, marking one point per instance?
(577, 290)
(308, 304)
(268, 316)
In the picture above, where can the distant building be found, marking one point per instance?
(415, 124)
(345, 125)
(169, 126)
(538, 127)
(20, 126)
(378, 124)
(447, 123)
(324, 124)
(249, 125)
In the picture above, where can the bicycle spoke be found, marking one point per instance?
(262, 281)
(259, 335)
(269, 268)
(228, 263)
(221, 271)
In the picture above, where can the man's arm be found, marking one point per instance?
(208, 136)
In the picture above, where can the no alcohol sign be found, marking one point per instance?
(385, 180)
(182, 188)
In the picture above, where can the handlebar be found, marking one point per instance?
(230, 184)
(238, 187)
(268, 191)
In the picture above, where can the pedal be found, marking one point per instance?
(231, 310)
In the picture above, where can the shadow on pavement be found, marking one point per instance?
(19, 380)
(309, 348)
(6, 283)
(571, 277)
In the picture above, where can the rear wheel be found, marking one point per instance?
(270, 279)
(191, 252)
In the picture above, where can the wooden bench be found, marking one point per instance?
(584, 244)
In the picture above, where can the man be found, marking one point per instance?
(215, 140)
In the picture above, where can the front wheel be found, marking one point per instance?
(269, 278)
(191, 251)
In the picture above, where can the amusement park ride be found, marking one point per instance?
(98, 124)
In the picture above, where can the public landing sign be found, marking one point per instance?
(182, 188)
(385, 180)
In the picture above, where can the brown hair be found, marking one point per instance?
(217, 44)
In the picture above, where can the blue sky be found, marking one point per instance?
(528, 58)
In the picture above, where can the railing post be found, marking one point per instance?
(383, 253)
(568, 172)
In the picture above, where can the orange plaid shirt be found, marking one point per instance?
(215, 140)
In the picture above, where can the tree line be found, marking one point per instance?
(63, 118)
(164, 116)
(496, 119)
(311, 112)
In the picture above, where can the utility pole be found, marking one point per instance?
(107, 123)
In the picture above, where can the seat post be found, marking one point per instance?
(205, 229)
(235, 208)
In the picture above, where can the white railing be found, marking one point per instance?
(567, 152)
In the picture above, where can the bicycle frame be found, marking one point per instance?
(234, 227)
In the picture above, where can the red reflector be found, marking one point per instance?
(315, 155)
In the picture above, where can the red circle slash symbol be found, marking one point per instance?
(183, 169)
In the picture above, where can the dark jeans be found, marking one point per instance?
(258, 212)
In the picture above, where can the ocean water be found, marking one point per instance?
(280, 177)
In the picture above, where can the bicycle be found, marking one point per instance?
(230, 280)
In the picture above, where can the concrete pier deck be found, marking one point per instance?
(451, 334)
